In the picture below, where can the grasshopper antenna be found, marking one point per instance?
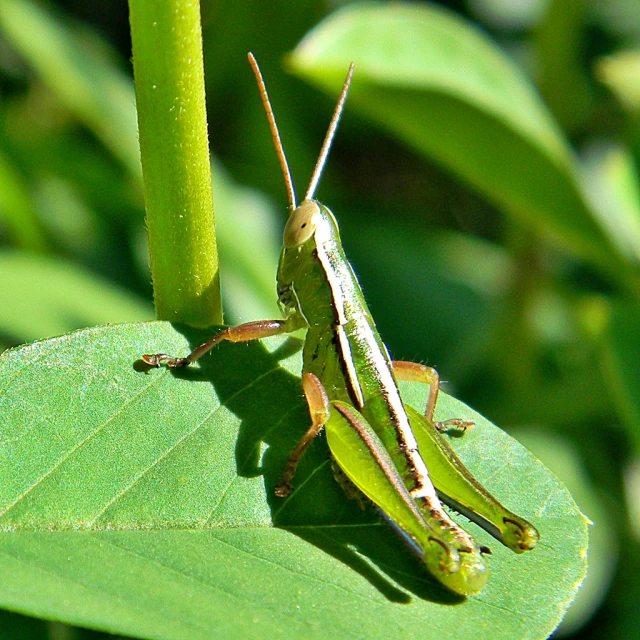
(282, 158)
(333, 125)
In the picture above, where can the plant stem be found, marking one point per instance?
(169, 79)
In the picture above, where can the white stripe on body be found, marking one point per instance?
(342, 283)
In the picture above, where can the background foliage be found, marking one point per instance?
(519, 281)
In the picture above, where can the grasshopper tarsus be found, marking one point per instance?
(241, 333)
(283, 489)
(521, 535)
(162, 359)
(454, 424)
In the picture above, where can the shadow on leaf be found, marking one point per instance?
(251, 381)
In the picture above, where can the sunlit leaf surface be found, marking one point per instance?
(141, 502)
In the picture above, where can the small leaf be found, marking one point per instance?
(141, 502)
(621, 73)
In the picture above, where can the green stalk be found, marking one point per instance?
(169, 81)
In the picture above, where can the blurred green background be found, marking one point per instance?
(526, 324)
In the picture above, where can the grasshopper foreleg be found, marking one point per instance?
(242, 333)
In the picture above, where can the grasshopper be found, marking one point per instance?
(350, 385)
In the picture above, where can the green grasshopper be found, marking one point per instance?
(349, 383)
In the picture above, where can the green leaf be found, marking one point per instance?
(621, 73)
(16, 209)
(442, 87)
(76, 67)
(141, 502)
(49, 297)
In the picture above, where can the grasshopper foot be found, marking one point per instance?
(160, 359)
(454, 424)
(283, 489)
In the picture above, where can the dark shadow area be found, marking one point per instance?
(16, 626)
(251, 381)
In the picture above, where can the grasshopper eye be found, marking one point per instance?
(301, 224)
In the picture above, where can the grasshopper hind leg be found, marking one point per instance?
(350, 490)
(414, 372)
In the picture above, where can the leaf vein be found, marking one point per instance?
(73, 451)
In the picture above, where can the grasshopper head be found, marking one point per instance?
(302, 224)
(311, 237)
(310, 218)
